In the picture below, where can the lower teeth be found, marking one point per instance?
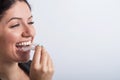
(27, 48)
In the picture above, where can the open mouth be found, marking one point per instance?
(21, 46)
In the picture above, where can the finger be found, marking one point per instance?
(50, 63)
(44, 57)
(37, 56)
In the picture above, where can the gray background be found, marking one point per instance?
(82, 37)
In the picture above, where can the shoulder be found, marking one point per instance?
(25, 66)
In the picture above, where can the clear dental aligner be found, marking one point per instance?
(31, 47)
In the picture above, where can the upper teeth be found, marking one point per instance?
(24, 43)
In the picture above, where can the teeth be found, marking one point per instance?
(24, 43)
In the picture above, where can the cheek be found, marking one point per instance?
(9, 38)
(33, 31)
(12, 38)
(7, 41)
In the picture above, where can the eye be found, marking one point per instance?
(16, 25)
(30, 23)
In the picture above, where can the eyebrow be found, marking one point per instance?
(17, 18)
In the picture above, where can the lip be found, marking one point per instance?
(22, 43)
(18, 48)
(25, 41)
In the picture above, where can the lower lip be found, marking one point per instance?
(23, 54)
(23, 51)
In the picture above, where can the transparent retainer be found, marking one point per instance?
(31, 47)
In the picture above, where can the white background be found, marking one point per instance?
(82, 37)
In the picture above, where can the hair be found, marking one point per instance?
(7, 4)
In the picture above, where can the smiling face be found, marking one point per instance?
(16, 31)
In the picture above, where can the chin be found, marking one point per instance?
(24, 60)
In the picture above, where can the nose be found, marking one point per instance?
(28, 31)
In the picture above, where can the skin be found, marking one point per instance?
(16, 26)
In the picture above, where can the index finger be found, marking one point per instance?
(37, 56)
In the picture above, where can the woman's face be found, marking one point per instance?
(16, 31)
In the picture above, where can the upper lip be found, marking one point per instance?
(30, 39)
(24, 41)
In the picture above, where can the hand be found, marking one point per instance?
(41, 66)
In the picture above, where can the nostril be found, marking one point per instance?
(27, 33)
(24, 34)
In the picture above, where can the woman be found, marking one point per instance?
(16, 32)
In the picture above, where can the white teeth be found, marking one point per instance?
(24, 43)
(32, 47)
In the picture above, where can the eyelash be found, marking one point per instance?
(31, 23)
(16, 25)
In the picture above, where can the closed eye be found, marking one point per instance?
(30, 23)
(16, 25)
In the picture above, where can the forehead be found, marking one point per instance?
(19, 9)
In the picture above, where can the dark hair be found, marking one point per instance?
(7, 4)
